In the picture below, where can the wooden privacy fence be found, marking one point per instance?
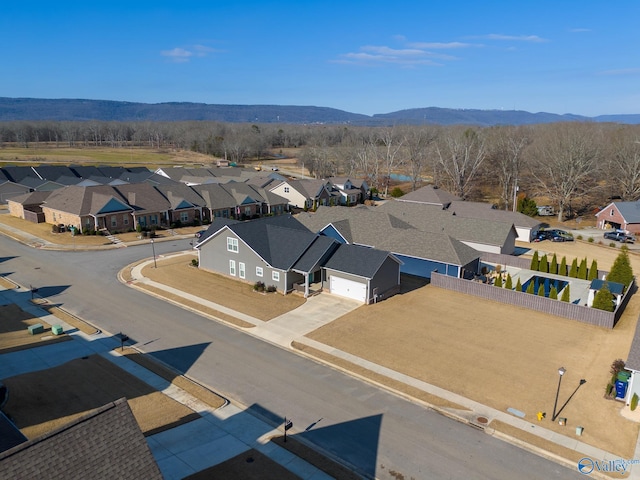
(580, 313)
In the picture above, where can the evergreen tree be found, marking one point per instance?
(530, 287)
(541, 289)
(553, 293)
(573, 271)
(498, 282)
(582, 269)
(509, 283)
(563, 267)
(527, 206)
(593, 271)
(566, 294)
(544, 264)
(518, 286)
(621, 271)
(554, 265)
(535, 261)
(603, 299)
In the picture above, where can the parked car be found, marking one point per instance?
(555, 235)
(619, 236)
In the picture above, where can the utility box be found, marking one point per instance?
(35, 329)
(57, 330)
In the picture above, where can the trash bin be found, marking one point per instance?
(621, 388)
(579, 431)
(623, 376)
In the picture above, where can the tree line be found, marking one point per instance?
(577, 166)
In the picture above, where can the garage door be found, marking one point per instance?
(348, 288)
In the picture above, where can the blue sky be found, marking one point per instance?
(560, 56)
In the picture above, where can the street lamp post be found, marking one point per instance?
(561, 372)
(155, 265)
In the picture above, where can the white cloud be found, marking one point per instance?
(416, 54)
(182, 55)
(442, 45)
(517, 38)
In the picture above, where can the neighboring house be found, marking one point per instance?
(307, 193)
(186, 205)
(622, 215)
(104, 444)
(526, 227)
(420, 252)
(218, 202)
(281, 252)
(28, 206)
(9, 188)
(482, 234)
(351, 192)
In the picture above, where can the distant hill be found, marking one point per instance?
(34, 109)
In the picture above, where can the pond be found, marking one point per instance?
(547, 282)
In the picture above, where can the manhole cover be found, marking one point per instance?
(482, 420)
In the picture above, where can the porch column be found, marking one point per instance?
(306, 285)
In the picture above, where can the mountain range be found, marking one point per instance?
(36, 109)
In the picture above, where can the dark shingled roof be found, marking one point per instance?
(357, 260)
(103, 444)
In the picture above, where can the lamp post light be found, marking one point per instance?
(155, 265)
(561, 372)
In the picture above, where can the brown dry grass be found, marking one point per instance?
(376, 377)
(14, 335)
(178, 273)
(71, 319)
(195, 389)
(498, 355)
(44, 400)
(43, 231)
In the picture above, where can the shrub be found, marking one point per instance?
(634, 402)
(573, 271)
(509, 283)
(579, 237)
(535, 262)
(553, 293)
(562, 270)
(258, 286)
(498, 282)
(566, 294)
(530, 288)
(271, 289)
(544, 264)
(55, 229)
(541, 290)
(590, 239)
(616, 367)
(582, 269)
(194, 262)
(518, 286)
(621, 271)
(604, 299)
(593, 270)
(612, 244)
(554, 265)
(397, 192)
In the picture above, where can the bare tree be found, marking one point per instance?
(506, 145)
(391, 143)
(625, 162)
(566, 159)
(417, 142)
(459, 154)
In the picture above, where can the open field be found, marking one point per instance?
(126, 157)
(44, 400)
(499, 355)
(177, 272)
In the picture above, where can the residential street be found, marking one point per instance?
(383, 435)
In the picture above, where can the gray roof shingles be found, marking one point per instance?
(357, 260)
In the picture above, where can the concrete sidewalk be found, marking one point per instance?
(316, 312)
(220, 434)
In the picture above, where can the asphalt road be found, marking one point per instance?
(381, 434)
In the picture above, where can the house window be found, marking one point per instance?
(247, 211)
(275, 276)
(286, 189)
(232, 267)
(225, 214)
(241, 270)
(184, 217)
(114, 221)
(610, 213)
(232, 244)
(142, 221)
(153, 219)
(259, 272)
(217, 214)
(54, 216)
(125, 219)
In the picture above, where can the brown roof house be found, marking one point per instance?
(103, 444)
